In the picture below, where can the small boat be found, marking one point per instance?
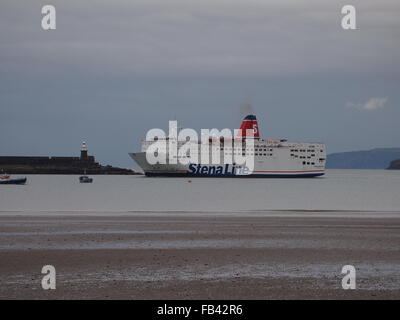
(85, 179)
(6, 179)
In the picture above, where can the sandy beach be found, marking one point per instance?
(198, 255)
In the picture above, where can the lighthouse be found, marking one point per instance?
(84, 151)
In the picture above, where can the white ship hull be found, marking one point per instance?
(276, 167)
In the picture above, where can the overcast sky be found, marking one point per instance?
(114, 69)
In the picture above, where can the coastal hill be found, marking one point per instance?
(378, 158)
(59, 165)
(394, 165)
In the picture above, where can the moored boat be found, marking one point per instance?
(6, 179)
(85, 179)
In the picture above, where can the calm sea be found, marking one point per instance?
(367, 190)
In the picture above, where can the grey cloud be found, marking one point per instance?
(370, 105)
(210, 37)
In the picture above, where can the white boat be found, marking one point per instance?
(7, 179)
(273, 158)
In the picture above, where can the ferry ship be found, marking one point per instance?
(273, 158)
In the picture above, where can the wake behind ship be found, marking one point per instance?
(273, 158)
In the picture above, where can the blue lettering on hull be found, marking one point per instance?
(213, 171)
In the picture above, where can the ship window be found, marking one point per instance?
(308, 163)
(312, 163)
(304, 162)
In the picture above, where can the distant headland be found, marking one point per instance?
(394, 165)
(59, 165)
(378, 158)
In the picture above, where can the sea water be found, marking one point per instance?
(353, 190)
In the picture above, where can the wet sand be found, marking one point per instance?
(167, 255)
